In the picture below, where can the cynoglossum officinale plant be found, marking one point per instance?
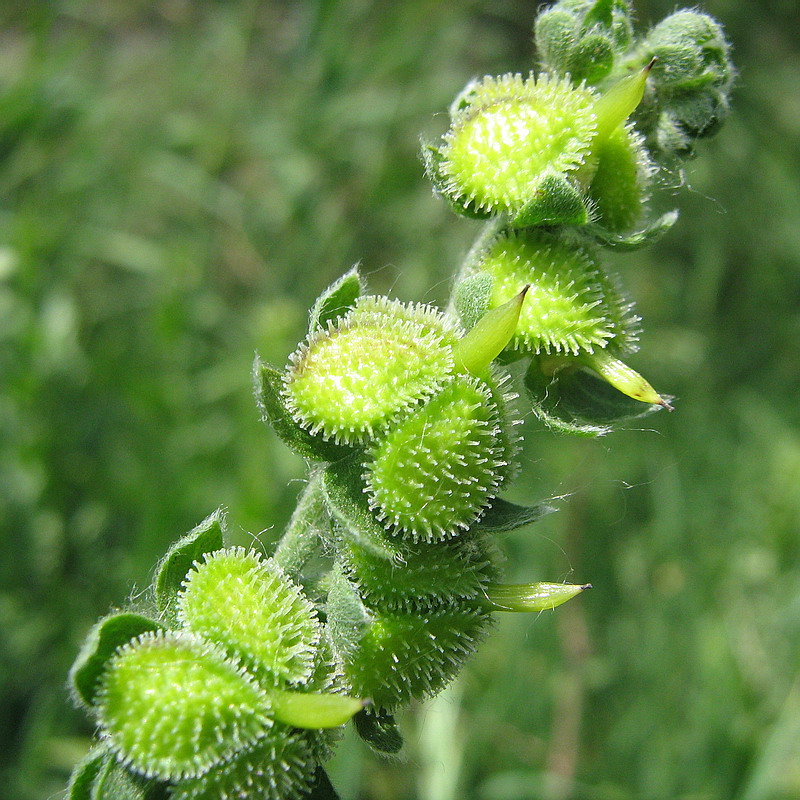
(232, 677)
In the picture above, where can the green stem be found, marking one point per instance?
(301, 536)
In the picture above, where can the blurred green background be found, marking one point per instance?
(178, 180)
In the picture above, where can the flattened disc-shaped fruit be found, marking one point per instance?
(348, 380)
(247, 605)
(413, 655)
(571, 307)
(432, 475)
(173, 706)
(511, 132)
(280, 766)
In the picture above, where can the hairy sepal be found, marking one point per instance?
(434, 472)
(107, 635)
(280, 766)
(379, 730)
(172, 706)
(268, 386)
(336, 300)
(575, 401)
(173, 567)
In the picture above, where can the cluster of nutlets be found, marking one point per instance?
(231, 682)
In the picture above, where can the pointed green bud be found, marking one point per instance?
(487, 339)
(511, 135)
(246, 604)
(172, 706)
(434, 473)
(572, 305)
(619, 102)
(623, 378)
(282, 765)
(348, 381)
(531, 596)
(315, 711)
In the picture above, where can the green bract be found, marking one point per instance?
(350, 378)
(620, 182)
(245, 603)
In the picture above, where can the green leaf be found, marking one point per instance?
(343, 484)
(503, 516)
(471, 298)
(173, 568)
(314, 710)
(322, 788)
(83, 776)
(336, 300)
(556, 202)
(116, 782)
(268, 383)
(634, 241)
(104, 638)
(379, 730)
(576, 401)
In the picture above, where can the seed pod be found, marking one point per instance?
(513, 144)
(349, 379)
(173, 706)
(394, 656)
(572, 305)
(434, 472)
(280, 766)
(247, 605)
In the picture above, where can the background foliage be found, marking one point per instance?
(178, 181)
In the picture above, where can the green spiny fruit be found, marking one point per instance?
(394, 656)
(279, 766)
(348, 380)
(435, 471)
(571, 306)
(421, 576)
(172, 705)
(246, 604)
(512, 145)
